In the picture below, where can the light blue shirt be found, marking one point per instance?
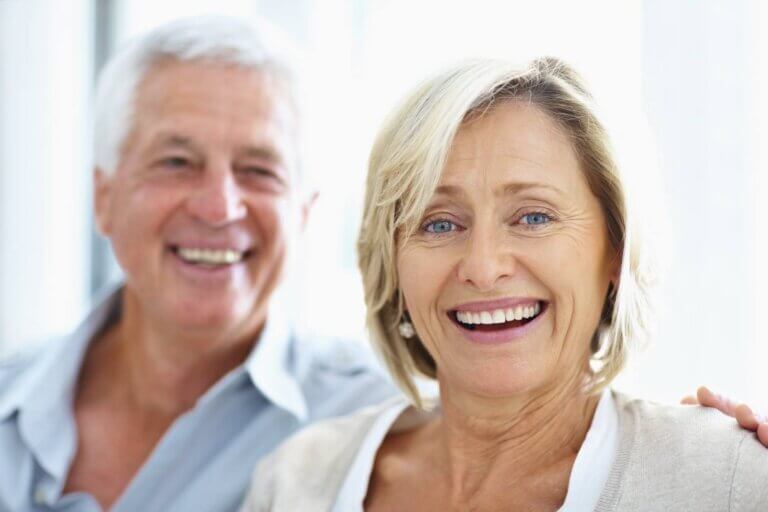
(205, 459)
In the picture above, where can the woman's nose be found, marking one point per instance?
(487, 260)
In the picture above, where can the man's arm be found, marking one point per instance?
(744, 414)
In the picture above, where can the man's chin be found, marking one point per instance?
(192, 311)
(201, 317)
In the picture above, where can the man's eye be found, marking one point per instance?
(439, 226)
(175, 161)
(535, 219)
(260, 171)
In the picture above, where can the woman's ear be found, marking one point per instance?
(615, 270)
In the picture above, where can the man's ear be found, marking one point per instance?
(306, 208)
(102, 201)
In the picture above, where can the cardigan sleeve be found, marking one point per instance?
(306, 471)
(749, 489)
(259, 497)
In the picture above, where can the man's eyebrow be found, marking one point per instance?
(265, 153)
(174, 140)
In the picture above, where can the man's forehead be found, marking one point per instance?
(209, 88)
(178, 104)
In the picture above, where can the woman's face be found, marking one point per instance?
(506, 276)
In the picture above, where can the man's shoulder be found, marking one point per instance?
(17, 362)
(694, 456)
(338, 354)
(16, 366)
(342, 374)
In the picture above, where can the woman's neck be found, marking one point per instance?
(492, 443)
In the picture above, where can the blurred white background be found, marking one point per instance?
(683, 84)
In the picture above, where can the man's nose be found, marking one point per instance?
(218, 201)
(488, 259)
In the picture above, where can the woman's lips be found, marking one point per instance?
(498, 324)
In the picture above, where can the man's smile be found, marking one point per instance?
(210, 257)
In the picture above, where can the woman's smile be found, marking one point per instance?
(497, 321)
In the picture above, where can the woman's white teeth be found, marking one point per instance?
(499, 316)
(210, 256)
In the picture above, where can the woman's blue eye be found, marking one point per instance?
(440, 226)
(535, 219)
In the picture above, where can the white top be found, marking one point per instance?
(588, 476)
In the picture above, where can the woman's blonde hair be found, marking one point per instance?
(405, 166)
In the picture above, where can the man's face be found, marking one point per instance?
(200, 210)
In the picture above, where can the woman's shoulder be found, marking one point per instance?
(687, 428)
(331, 437)
(690, 453)
(318, 456)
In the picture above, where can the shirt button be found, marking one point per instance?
(41, 495)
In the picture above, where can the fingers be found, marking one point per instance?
(709, 399)
(705, 396)
(689, 400)
(746, 418)
(762, 433)
(744, 414)
(749, 420)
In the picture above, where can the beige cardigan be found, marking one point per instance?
(670, 458)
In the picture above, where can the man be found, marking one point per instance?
(177, 383)
(159, 400)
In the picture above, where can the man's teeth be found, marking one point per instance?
(498, 316)
(210, 256)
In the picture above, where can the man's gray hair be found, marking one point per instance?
(217, 39)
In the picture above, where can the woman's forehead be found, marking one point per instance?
(509, 158)
(512, 130)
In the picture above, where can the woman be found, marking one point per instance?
(499, 258)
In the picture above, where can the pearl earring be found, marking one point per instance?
(406, 329)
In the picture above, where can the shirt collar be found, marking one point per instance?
(57, 364)
(44, 393)
(593, 463)
(272, 365)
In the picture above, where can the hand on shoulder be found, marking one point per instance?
(743, 413)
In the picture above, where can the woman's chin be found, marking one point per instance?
(496, 381)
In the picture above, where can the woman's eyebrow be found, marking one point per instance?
(450, 191)
(503, 190)
(517, 187)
